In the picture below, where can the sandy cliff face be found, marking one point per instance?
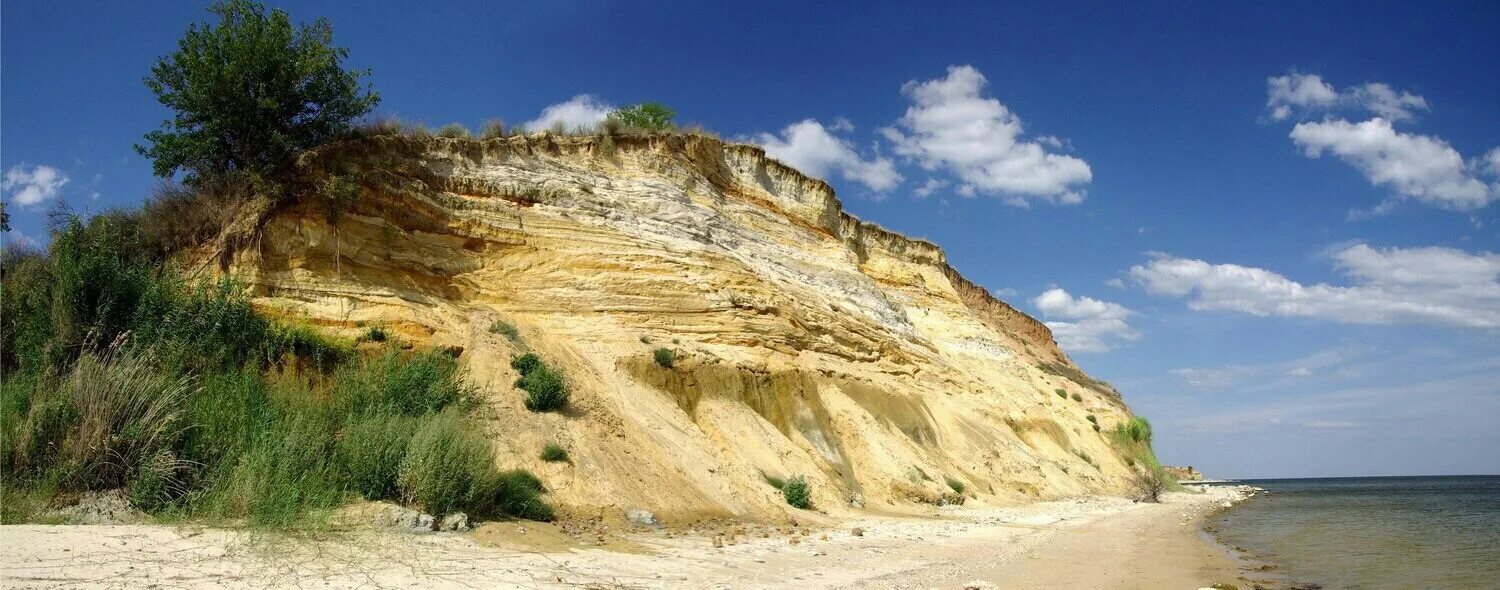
(808, 342)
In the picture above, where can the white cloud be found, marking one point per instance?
(931, 186)
(584, 110)
(952, 127)
(1294, 92)
(1084, 324)
(841, 125)
(29, 188)
(1420, 167)
(1432, 285)
(808, 146)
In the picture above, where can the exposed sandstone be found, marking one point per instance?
(807, 341)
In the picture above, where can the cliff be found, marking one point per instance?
(808, 342)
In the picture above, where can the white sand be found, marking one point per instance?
(1085, 543)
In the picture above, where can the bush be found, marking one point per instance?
(1137, 429)
(1149, 482)
(374, 334)
(775, 482)
(372, 448)
(287, 472)
(664, 357)
(1077, 398)
(1061, 393)
(545, 389)
(407, 384)
(797, 492)
(506, 329)
(493, 129)
(652, 116)
(518, 493)
(448, 466)
(1092, 418)
(301, 97)
(957, 486)
(525, 363)
(554, 453)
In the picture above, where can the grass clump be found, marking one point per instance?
(1061, 393)
(1094, 419)
(493, 129)
(1077, 398)
(957, 486)
(664, 357)
(506, 329)
(374, 334)
(554, 453)
(454, 131)
(797, 492)
(448, 466)
(775, 482)
(545, 388)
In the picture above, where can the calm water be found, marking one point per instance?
(1374, 532)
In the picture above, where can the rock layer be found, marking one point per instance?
(807, 341)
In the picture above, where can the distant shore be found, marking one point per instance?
(1082, 543)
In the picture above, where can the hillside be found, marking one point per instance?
(806, 341)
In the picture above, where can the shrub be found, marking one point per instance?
(545, 389)
(454, 131)
(554, 453)
(652, 116)
(286, 473)
(797, 492)
(1137, 429)
(493, 128)
(408, 384)
(1061, 393)
(375, 334)
(1092, 418)
(1149, 482)
(448, 465)
(525, 363)
(303, 97)
(1077, 398)
(1096, 427)
(506, 329)
(518, 493)
(371, 449)
(664, 357)
(775, 482)
(957, 486)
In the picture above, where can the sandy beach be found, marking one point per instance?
(1095, 542)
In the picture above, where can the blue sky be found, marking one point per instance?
(1272, 226)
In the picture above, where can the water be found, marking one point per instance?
(1373, 532)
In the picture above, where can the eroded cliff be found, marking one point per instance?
(808, 342)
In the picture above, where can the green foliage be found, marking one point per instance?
(410, 384)
(664, 357)
(374, 334)
(652, 116)
(1061, 393)
(1094, 419)
(493, 128)
(249, 92)
(449, 465)
(957, 486)
(518, 493)
(797, 492)
(525, 363)
(545, 389)
(554, 453)
(775, 482)
(1077, 398)
(506, 329)
(372, 447)
(1137, 429)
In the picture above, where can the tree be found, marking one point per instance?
(647, 115)
(249, 93)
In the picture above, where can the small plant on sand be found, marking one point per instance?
(1094, 419)
(545, 388)
(775, 482)
(797, 493)
(554, 453)
(664, 357)
(1149, 482)
(1077, 398)
(454, 131)
(374, 334)
(957, 486)
(506, 329)
(1061, 393)
(493, 128)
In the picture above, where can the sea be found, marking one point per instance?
(1371, 532)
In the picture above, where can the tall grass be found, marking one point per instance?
(119, 375)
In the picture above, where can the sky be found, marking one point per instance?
(1271, 225)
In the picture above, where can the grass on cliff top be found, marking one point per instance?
(121, 376)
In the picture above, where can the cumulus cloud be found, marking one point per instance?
(951, 126)
(1420, 167)
(29, 188)
(584, 110)
(812, 148)
(1084, 324)
(1306, 93)
(1433, 285)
